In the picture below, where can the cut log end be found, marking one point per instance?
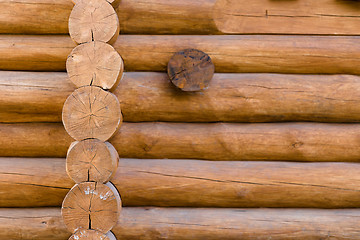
(191, 70)
(93, 20)
(112, 2)
(90, 112)
(89, 234)
(95, 64)
(91, 205)
(91, 160)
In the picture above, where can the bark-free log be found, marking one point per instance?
(197, 224)
(194, 17)
(149, 96)
(95, 63)
(212, 141)
(27, 182)
(93, 20)
(90, 112)
(91, 205)
(91, 160)
(254, 53)
(190, 70)
(92, 235)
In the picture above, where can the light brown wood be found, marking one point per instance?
(90, 112)
(95, 64)
(252, 53)
(212, 141)
(91, 160)
(92, 235)
(194, 17)
(91, 205)
(93, 20)
(191, 183)
(113, 2)
(149, 96)
(193, 223)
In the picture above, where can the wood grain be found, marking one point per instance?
(231, 53)
(90, 112)
(194, 17)
(92, 235)
(198, 224)
(212, 141)
(93, 20)
(95, 64)
(91, 205)
(190, 70)
(91, 160)
(43, 182)
(149, 96)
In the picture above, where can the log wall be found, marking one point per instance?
(277, 128)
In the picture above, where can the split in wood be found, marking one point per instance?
(89, 234)
(191, 70)
(91, 205)
(91, 160)
(90, 112)
(93, 20)
(96, 64)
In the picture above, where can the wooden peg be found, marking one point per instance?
(95, 64)
(91, 205)
(93, 20)
(89, 234)
(91, 160)
(191, 70)
(90, 112)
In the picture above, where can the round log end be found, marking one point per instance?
(91, 160)
(95, 64)
(191, 70)
(91, 205)
(112, 2)
(93, 20)
(91, 112)
(89, 234)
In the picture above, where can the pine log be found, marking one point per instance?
(92, 235)
(95, 64)
(211, 141)
(194, 17)
(197, 224)
(93, 20)
(231, 53)
(91, 205)
(91, 112)
(39, 182)
(149, 96)
(91, 160)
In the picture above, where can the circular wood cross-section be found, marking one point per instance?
(91, 160)
(93, 20)
(191, 70)
(91, 205)
(92, 235)
(95, 64)
(109, 1)
(90, 112)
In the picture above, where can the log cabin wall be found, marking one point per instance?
(269, 151)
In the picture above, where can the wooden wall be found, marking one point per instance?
(269, 151)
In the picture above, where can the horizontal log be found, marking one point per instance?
(187, 223)
(230, 53)
(38, 182)
(149, 96)
(193, 17)
(211, 141)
